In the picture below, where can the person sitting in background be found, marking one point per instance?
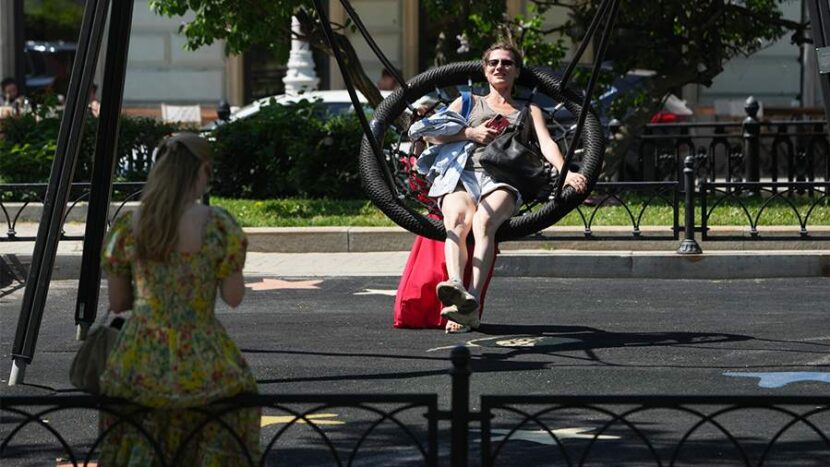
(10, 90)
(166, 263)
(94, 104)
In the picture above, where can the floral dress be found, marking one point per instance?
(172, 354)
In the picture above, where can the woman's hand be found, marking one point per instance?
(481, 134)
(577, 181)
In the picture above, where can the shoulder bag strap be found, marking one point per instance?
(524, 121)
(466, 104)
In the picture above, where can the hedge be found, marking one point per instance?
(28, 147)
(294, 150)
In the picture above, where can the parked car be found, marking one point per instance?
(48, 66)
(335, 102)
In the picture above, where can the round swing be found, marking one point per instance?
(397, 201)
(388, 176)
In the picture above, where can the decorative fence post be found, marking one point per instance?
(689, 246)
(752, 143)
(460, 410)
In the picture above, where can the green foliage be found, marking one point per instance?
(240, 23)
(295, 212)
(331, 169)
(28, 148)
(137, 138)
(51, 20)
(288, 150)
(683, 41)
(29, 142)
(483, 22)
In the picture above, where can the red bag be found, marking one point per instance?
(416, 304)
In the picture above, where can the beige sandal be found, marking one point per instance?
(470, 320)
(454, 328)
(452, 292)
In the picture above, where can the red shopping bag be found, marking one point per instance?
(416, 304)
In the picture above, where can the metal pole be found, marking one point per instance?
(689, 246)
(586, 101)
(57, 194)
(115, 70)
(460, 410)
(752, 144)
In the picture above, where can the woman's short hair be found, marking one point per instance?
(517, 56)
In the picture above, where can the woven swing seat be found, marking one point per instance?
(410, 216)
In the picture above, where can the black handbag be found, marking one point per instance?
(513, 158)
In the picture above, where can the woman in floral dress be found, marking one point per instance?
(166, 263)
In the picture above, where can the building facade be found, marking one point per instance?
(160, 69)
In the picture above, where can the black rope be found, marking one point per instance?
(585, 41)
(586, 101)
(367, 131)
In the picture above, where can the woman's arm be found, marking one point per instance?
(551, 150)
(480, 134)
(232, 289)
(120, 293)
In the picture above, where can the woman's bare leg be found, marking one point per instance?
(493, 210)
(458, 210)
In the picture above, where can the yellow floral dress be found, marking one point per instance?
(172, 353)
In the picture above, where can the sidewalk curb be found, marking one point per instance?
(522, 263)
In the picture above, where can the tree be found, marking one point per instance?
(682, 41)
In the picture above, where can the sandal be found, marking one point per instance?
(457, 329)
(452, 292)
(470, 320)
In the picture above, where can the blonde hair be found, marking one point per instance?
(517, 56)
(178, 160)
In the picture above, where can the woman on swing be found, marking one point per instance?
(478, 203)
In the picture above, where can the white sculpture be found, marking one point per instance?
(300, 76)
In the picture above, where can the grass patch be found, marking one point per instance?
(362, 213)
(304, 212)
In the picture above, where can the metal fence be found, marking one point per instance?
(748, 167)
(748, 151)
(409, 429)
(16, 197)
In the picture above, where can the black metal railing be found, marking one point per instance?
(801, 200)
(637, 430)
(805, 205)
(404, 429)
(16, 197)
(748, 151)
(295, 428)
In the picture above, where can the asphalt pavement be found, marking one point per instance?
(541, 336)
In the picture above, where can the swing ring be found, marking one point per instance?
(383, 196)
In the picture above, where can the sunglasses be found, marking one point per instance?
(505, 63)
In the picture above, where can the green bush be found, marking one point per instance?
(28, 147)
(288, 151)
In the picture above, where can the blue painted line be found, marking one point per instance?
(777, 379)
